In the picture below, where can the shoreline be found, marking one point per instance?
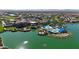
(60, 35)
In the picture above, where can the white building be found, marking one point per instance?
(3, 23)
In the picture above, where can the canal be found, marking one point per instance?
(31, 40)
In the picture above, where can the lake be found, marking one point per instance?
(31, 40)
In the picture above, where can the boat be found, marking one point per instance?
(42, 32)
(25, 30)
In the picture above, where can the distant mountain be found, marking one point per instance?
(43, 10)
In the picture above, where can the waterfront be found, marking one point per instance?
(16, 39)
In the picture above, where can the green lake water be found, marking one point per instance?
(16, 40)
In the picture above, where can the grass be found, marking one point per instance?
(12, 28)
(1, 29)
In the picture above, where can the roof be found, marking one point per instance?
(61, 30)
(51, 29)
(48, 27)
(33, 22)
(56, 30)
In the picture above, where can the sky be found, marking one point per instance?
(39, 4)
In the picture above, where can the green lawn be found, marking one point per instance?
(1, 29)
